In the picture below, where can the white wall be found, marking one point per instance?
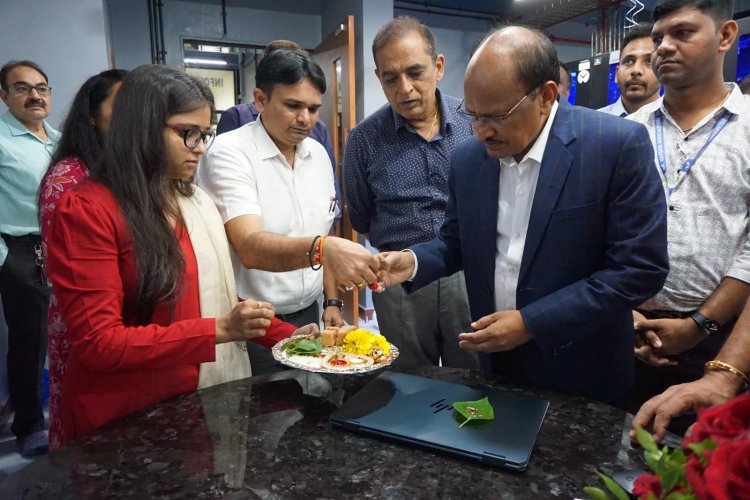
(456, 46)
(66, 38)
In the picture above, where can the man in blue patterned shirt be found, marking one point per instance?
(396, 167)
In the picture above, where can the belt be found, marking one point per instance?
(34, 239)
(291, 315)
(665, 313)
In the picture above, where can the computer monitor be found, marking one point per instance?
(573, 81)
(743, 57)
(613, 92)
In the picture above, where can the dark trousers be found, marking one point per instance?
(261, 359)
(653, 380)
(25, 303)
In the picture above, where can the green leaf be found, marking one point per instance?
(595, 493)
(669, 479)
(646, 440)
(652, 459)
(304, 346)
(474, 410)
(677, 495)
(616, 489)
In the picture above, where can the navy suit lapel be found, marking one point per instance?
(554, 170)
(489, 178)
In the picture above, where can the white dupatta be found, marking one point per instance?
(217, 291)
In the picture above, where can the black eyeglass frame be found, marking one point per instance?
(42, 89)
(207, 136)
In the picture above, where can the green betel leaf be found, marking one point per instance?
(304, 347)
(646, 440)
(595, 493)
(474, 410)
(617, 490)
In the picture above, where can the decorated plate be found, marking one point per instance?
(330, 359)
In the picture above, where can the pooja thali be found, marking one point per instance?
(328, 352)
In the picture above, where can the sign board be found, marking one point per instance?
(221, 83)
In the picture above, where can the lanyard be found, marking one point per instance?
(661, 155)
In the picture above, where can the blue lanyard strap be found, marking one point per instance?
(661, 154)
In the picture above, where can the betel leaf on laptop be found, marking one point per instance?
(474, 410)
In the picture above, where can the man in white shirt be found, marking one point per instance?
(274, 188)
(635, 77)
(700, 131)
(556, 217)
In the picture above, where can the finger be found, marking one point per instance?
(663, 361)
(650, 324)
(313, 328)
(484, 322)
(652, 338)
(254, 333)
(368, 275)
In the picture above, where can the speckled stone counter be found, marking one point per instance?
(262, 438)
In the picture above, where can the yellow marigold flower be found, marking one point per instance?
(363, 342)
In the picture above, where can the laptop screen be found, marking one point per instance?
(418, 410)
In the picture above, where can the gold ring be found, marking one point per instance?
(260, 305)
(362, 285)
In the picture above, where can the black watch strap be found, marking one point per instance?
(333, 302)
(706, 325)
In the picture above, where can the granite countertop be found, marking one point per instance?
(263, 438)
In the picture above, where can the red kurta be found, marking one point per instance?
(113, 369)
(60, 179)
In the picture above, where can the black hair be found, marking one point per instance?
(133, 166)
(719, 10)
(80, 136)
(397, 29)
(280, 44)
(640, 30)
(565, 79)
(11, 65)
(287, 67)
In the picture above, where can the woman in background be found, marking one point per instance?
(139, 261)
(80, 147)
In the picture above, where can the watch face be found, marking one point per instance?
(709, 327)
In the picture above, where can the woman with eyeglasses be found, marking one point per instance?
(79, 149)
(140, 265)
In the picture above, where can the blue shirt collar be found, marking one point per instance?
(17, 128)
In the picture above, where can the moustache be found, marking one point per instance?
(34, 102)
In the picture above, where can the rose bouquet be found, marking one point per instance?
(713, 463)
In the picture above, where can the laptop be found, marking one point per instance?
(418, 411)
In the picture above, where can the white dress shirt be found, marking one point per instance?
(516, 196)
(246, 174)
(708, 216)
(616, 108)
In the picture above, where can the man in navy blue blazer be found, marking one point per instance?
(558, 219)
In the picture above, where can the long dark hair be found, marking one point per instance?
(133, 166)
(80, 136)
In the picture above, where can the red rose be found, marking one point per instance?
(721, 423)
(645, 484)
(727, 476)
(694, 472)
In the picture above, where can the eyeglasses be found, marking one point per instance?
(26, 88)
(492, 120)
(192, 136)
